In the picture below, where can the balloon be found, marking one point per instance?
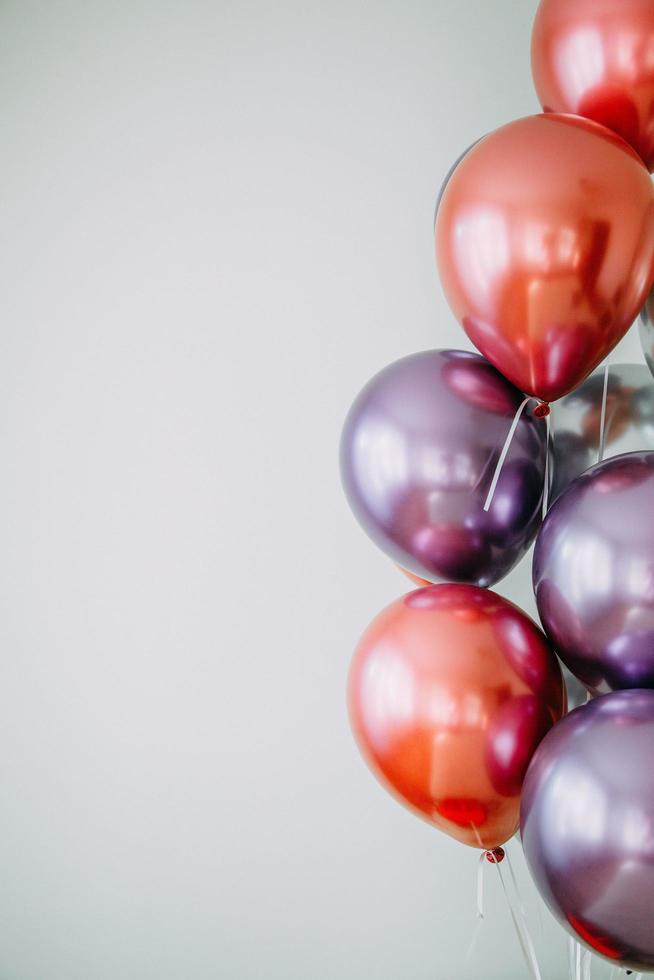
(594, 58)
(545, 247)
(418, 453)
(587, 825)
(594, 574)
(646, 330)
(451, 689)
(577, 421)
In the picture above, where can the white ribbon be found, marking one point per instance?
(602, 433)
(504, 453)
(480, 905)
(520, 923)
(516, 908)
(580, 961)
(546, 488)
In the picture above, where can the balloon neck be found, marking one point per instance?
(542, 410)
(496, 856)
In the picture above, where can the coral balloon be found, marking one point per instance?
(545, 247)
(587, 828)
(594, 574)
(451, 690)
(611, 413)
(594, 58)
(418, 453)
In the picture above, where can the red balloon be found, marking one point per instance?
(545, 247)
(451, 690)
(595, 58)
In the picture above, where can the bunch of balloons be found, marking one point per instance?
(545, 248)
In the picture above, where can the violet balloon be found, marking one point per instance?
(593, 574)
(418, 454)
(587, 825)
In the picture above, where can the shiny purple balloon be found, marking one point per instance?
(587, 825)
(593, 574)
(418, 454)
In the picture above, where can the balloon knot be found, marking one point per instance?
(496, 855)
(542, 410)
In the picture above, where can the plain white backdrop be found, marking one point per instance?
(216, 226)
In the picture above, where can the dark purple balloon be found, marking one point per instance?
(587, 825)
(418, 453)
(594, 574)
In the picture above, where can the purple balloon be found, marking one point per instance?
(594, 574)
(587, 825)
(418, 454)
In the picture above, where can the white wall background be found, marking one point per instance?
(216, 225)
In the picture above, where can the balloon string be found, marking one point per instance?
(514, 881)
(572, 955)
(480, 905)
(580, 961)
(504, 453)
(480, 885)
(600, 453)
(521, 929)
(546, 487)
(586, 964)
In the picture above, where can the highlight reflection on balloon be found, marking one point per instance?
(451, 690)
(418, 453)
(593, 574)
(545, 247)
(594, 58)
(576, 421)
(587, 826)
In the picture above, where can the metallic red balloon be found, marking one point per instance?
(545, 247)
(451, 690)
(595, 58)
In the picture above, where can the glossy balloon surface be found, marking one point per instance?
(595, 58)
(451, 689)
(587, 825)
(576, 421)
(418, 453)
(545, 248)
(593, 574)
